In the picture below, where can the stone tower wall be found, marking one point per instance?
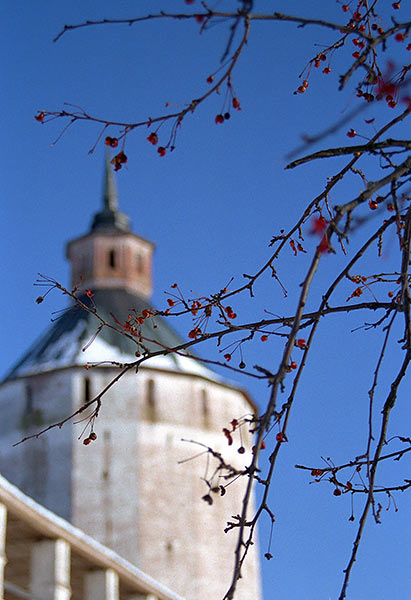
(39, 467)
(130, 492)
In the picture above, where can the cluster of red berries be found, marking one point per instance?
(194, 333)
(196, 305)
(366, 95)
(119, 160)
(302, 88)
(228, 435)
(90, 439)
(224, 117)
(221, 118)
(317, 472)
(110, 141)
(297, 246)
(153, 139)
(230, 313)
(359, 43)
(262, 447)
(320, 58)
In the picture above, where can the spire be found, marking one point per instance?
(110, 197)
(110, 218)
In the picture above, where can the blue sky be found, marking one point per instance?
(211, 207)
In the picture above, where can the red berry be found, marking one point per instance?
(219, 119)
(264, 338)
(345, 8)
(327, 70)
(352, 133)
(236, 103)
(373, 204)
(279, 437)
(227, 357)
(87, 441)
(400, 37)
(40, 116)
(396, 5)
(337, 492)
(161, 150)
(210, 79)
(293, 365)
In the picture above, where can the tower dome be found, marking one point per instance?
(135, 489)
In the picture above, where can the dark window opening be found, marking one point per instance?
(151, 402)
(140, 263)
(205, 409)
(31, 415)
(29, 408)
(112, 259)
(86, 390)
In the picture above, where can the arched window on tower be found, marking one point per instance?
(151, 402)
(112, 259)
(205, 409)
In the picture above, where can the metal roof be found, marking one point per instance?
(63, 343)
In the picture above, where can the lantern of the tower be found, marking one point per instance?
(111, 256)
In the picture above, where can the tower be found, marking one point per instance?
(134, 488)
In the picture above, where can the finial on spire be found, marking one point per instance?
(110, 218)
